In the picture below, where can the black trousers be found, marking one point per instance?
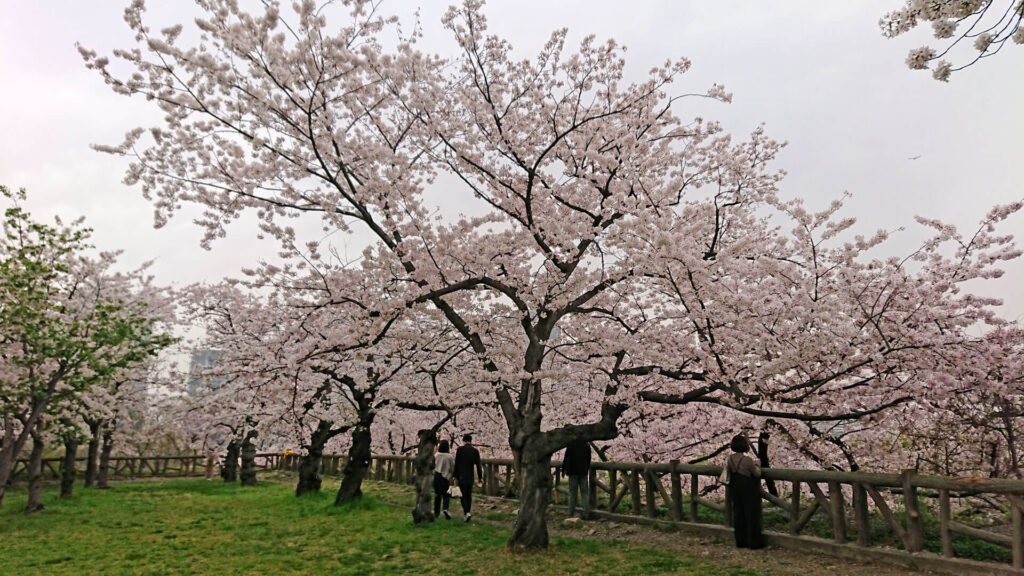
(745, 493)
(467, 496)
(441, 496)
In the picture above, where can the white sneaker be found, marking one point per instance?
(468, 516)
(447, 516)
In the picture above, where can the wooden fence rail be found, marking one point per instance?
(838, 505)
(124, 467)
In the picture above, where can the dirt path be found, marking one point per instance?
(771, 561)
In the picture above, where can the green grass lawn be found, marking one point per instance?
(204, 527)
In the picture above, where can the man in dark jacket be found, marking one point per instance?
(466, 458)
(576, 465)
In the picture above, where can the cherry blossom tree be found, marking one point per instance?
(114, 411)
(322, 354)
(67, 322)
(619, 255)
(986, 24)
(976, 429)
(819, 345)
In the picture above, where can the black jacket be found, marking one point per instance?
(576, 461)
(466, 458)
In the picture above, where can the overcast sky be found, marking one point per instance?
(817, 74)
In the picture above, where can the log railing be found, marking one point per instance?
(851, 514)
(124, 467)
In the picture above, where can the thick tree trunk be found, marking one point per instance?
(356, 466)
(229, 471)
(532, 450)
(6, 466)
(67, 473)
(7, 456)
(248, 473)
(105, 450)
(13, 443)
(92, 459)
(309, 467)
(424, 464)
(35, 470)
(531, 529)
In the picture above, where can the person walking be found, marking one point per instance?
(745, 494)
(467, 457)
(444, 468)
(576, 465)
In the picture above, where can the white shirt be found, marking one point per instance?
(444, 464)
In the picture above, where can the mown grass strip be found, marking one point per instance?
(200, 527)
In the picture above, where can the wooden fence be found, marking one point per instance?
(122, 467)
(877, 517)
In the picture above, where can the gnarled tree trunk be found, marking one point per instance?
(359, 456)
(105, 450)
(67, 473)
(248, 473)
(229, 470)
(35, 470)
(532, 449)
(309, 467)
(356, 466)
(424, 464)
(533, 465)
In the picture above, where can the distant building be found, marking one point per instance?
(198, 381)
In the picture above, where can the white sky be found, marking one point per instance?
(818, 74)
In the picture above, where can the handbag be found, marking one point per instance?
(454, 491)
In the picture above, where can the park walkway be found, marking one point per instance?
(768, 562)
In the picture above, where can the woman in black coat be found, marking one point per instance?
(745, 494)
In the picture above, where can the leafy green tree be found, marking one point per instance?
(67, 322)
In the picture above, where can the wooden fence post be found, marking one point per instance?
(835, 497)
(945, 516)
(1017, 516)
(794, 515)
(652, 509)
(508, 480)
(677, 491)
(613, 488)
(694, 496)
(634, 492)
(860, 514)
(492, 479)
(915, 539)
(592, 488)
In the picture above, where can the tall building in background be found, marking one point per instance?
(201, 361)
